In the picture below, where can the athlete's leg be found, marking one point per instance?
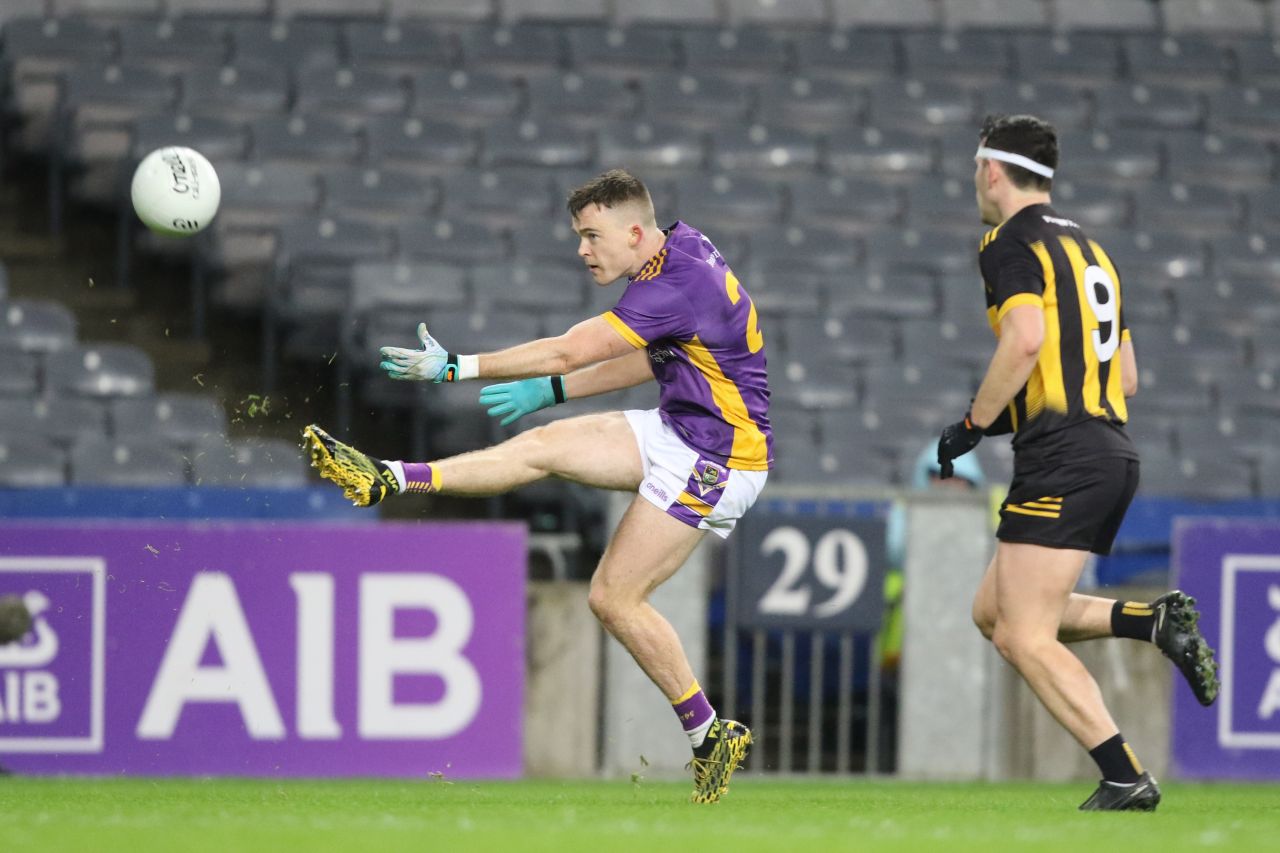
(597, 450)
(1033, 589)
(648, 547)
(1086, 617)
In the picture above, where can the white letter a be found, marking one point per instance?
(212, 611)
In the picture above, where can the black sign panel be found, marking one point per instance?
(808, 573)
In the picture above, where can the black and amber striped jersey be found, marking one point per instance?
(1073, 404)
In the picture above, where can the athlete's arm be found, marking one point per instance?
(589, 342)
(1021, 335)
(1128, 368)
(612, 375)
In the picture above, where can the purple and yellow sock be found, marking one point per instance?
(421, 478)
(695, 713)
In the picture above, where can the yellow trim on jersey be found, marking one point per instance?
(1035, 512)
(701, 507)
(1016, 300)
(1047, 378)
(750, 450)
(1115, 387)
(623, 329)
(1052, 507)
(652, 268)
(990, 237)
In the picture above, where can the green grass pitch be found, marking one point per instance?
(138, 815)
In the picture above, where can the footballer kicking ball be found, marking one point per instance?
(175, 191)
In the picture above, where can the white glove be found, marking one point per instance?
(431, 363)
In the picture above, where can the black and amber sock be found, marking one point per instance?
(1133, 619)
(1116, 760)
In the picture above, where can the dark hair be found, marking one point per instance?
(1026, 135)
(614, 187)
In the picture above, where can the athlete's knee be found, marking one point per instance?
(607, 603)
(984, 617)
(1019, 647)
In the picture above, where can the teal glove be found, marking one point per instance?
(431, 363)
(522, 397)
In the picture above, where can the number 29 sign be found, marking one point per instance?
(808, 573)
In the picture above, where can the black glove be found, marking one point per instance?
(957, 440)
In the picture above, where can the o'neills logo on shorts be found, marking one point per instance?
(659, 492)
(52, 680)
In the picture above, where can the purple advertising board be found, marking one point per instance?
(1232, 567)
(281, 649)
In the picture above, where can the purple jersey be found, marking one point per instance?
(686, 307)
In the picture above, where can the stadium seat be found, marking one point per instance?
(814, 384)
(532, 286)
(250, 463)
(239, 91)
(744, 53)
(1246, 111)
(470, 11)
(482, 331)
(318, 142)
(1081, 58)
(520, 49)
(652, 147)
(498, 197)
(995, 14)
(179, 419)
(1243, 300)
(474, 98)
(100, 370)
(972, 58)
(1243, 255)
(218, 139)
(818, 244)
(1219, 17)
(1248, 435)
(1224, 161)
(21, 9)
(292, 45)
(898, 250)
(1219, 476)
(1122, 157)
(1119, 16)
(688, 12)
(556, 11)
(255, 195)
(853, 58)
(886, 155)
(378, 195)
(1269, 477)
(220, 8)
(931, 340)
(1143, 106)
(350, 94)
(809, 103)
(621, 52)
(37, 325)
(892, 293)
(712, 202)
(19, 373)
(402, 47)
(62, 420)
(945, 203)
(1099, 207)
(547, 143)
(171, 45)
(933, 107)
(1149, 262)
(583, 100)
(129, 463)
(797, 13)
(98, 102)
(888, 14)
(543, 239)
(1062, 104)
(1257, 61)
(422, 145)
(1191, 62)
(782, 286)
(773, 152)
(704, 101)
(448, 239)
(31, 462)
(1187, 209)
(852, 339)
(329, 8)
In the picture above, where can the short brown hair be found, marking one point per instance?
(1026, 135)
(611, 189)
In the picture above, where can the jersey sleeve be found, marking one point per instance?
(652, 309)
(1014, 273)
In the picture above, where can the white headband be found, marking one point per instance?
(1016, 159)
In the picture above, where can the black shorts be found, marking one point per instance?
(1078, 506)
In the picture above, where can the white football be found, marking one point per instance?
(175, 191)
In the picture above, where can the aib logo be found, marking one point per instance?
(51, 681)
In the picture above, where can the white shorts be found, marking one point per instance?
(684, 484)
